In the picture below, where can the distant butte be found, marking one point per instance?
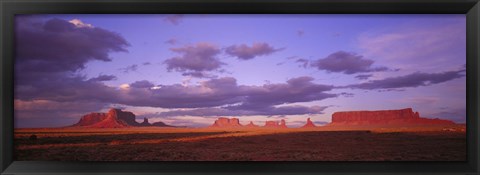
(275, 124)
(251, 125)
(114, 118)
(309, 124)
(384, 117)
(223, 122)
(387, 118)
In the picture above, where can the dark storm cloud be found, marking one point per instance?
(411, 80)
(57, 45)
(50, 52)
(245, 52)
(347, 63)
(103, 78)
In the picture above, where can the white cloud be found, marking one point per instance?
(78, 23)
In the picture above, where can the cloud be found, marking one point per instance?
(174, 19)
(215, 112)
(195, 60)
(131, 68)
(363, 76)
(347, 63)
(416, 79)
(48, 105)
(303, 62)
(49, 54)
(413, 45)
(171, 41)
(57, 45)
(80, 24)
(47, 113)
(226, 94)
(245, 52)
(300, 33)
(418, 100)
(300, 89)
(103, 78)
(142, 84)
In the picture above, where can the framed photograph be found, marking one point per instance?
(239, 87)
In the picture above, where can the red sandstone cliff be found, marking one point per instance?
(275, 124)
(226, 123)
(114, 118)
(223, 122)
(390, 117)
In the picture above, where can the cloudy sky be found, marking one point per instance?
(190, 69)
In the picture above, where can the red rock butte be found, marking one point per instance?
(384, 117)
(251, 125)
(275, 124)
(223, 122)
(309, 124)
(114, 118)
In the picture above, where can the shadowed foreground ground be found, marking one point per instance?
(258, 145)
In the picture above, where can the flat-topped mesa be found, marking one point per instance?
(114, 118)
(275, 124)
(223, 122)
(126, 116)
(91, 119)
(382, 117)
(309, 124)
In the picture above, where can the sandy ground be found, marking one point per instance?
(190, 144)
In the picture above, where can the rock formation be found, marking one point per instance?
(283, 124)
(91, 119)
(114, 118)
(275, 124)
(309, 124)
(161, 124)
(226, 123)
(251, 125)
(390, 117)
(145, 122)
(126, 116)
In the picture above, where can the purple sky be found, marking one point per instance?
(190, 69)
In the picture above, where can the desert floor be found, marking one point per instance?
(183, 144)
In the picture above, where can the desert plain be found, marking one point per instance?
(436, 143)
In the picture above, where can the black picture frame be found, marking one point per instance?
(8, 8)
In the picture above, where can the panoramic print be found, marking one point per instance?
(213, 87)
